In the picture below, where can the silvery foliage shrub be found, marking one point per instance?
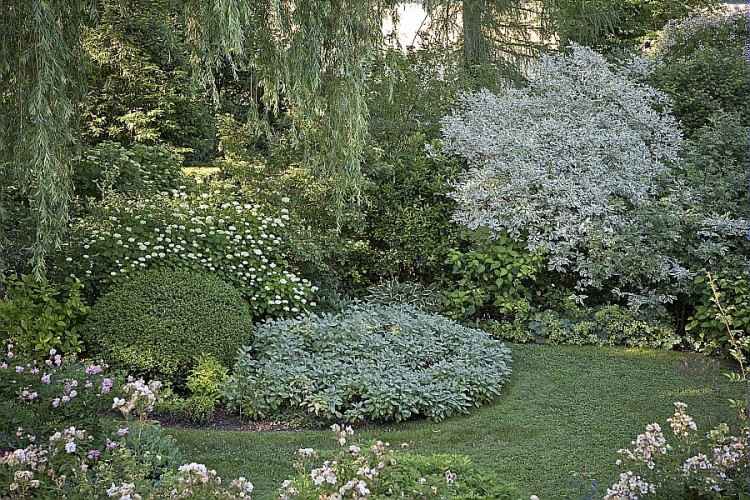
(682, 37)
(702, 64)
(212, 232)
(368, 362)
(394, 292)
(576, 163)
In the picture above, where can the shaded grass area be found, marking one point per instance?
(565, 408)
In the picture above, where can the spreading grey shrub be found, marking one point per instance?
(574, 163)
(368, 362)
(393, 292)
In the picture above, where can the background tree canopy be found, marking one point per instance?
(151, 67)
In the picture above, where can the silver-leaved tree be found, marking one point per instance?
(581, 163)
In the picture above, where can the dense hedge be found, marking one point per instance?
(368, 362)
(158, 322)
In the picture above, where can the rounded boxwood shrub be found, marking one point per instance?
(368, 362)
(157, 323)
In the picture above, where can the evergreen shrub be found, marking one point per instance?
(157, 323)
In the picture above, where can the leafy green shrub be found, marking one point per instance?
(37, 316)
(205, 382)
(201, 232)
(198, 408)
(43, 392)
(622, 326)
(706, 330)
(195, 408)
(408, 225)
(158, 322)
(392, 293)
(555, 329)
(368, 362)
(140, 87)
(493, 279)
(138, 169)
(378, 471)
(207, 377)
(609, 325)
(716, 159)
(703, 66)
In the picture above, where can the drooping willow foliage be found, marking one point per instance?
(308, 58)
(38, 88)
(313, 57)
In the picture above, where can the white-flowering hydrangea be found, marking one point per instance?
(126, 491)
(210, 232)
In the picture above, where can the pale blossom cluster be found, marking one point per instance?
(244, 486)
(287, 490)
(194, 473)
(450, 477)
(143, 396)
(647, 446)
(380, 448)
(358, 488)
(728, 455)
(337, 479)
(713, 470)
(342, 432)
(126, 491)
(29, 460)
(325, 474)
(68, 437)
(681, 423)
(629, 487)
(695, 463)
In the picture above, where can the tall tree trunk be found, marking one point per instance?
(476, 46)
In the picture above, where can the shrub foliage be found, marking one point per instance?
(706, 329)
(211, 232)
(37, 316)
(158, 322)
(368, 362)
(110, 167)
(376, 470)
(585, 163)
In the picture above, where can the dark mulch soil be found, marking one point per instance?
(225, 421)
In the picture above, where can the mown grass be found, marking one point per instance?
(566, 408)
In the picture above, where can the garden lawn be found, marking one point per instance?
(565, 408)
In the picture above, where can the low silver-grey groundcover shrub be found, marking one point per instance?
(368, 362)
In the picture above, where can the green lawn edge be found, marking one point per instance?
(565, 408)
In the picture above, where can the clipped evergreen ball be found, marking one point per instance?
(157, 323)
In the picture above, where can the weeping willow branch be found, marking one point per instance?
(313, 56)
(37, 103)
